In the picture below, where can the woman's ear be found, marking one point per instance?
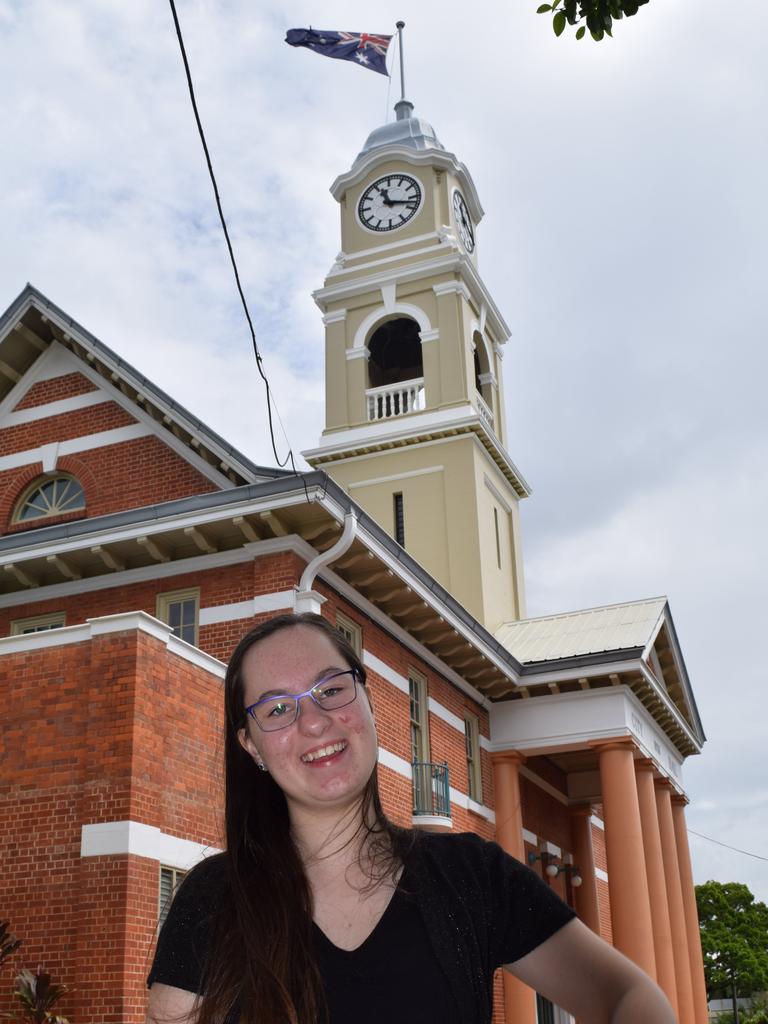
(249, 747)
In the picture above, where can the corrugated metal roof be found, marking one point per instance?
(590, 631)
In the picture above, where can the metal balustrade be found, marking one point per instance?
(395, 399)
(431, 789)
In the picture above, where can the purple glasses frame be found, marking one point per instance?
(356, 678)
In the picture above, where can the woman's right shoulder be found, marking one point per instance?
(206, 882)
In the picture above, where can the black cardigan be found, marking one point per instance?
(481, 908)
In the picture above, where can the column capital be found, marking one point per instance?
(644, 764)
(679, 799)
(665, 784)
(508, 757)
(580, 811)
(615, 743)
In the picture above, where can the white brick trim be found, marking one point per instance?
(602, 875)
(119, 838)
(57, 408)
(282, 600)
(395, 764)
(76, 444)
(447, 716)
(382, 669)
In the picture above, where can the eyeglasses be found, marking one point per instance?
(278, 712)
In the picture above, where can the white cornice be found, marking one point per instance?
(450, 262)
(399, 243)
(404, 430)
(386, 261)
(613, 668)
(394, 429)
(569, 721)
(439, 158)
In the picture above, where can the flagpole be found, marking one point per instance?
(400, 26)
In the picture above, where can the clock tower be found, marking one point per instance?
(415, 428)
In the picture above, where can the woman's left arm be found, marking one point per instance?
(579, 972)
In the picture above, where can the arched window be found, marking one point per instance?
(53, 496)
(395, 353)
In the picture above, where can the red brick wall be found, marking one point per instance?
(53, 390)
(77, 423)
(107, 730)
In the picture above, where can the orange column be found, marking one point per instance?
(657, 886)
(691, 913)
(627, 881)
(519, 999)
(585, 895)
(685, 1008)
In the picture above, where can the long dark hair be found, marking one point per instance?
(261, 956)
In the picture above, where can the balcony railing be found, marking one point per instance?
(485, 411)
(395, 399)
(431, 790)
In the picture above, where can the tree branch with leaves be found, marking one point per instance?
(734, 939)
(595, 16)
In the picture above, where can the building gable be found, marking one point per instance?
(58, 419)
(69, 405)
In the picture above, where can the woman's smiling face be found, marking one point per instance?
(291, 661)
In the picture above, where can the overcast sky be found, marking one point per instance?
(624, 241)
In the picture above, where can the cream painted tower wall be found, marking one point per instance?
(436, 435)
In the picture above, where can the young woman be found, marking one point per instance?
(322, 912)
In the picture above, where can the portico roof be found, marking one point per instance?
(612, 627)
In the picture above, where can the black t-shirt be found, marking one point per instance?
(405, 954)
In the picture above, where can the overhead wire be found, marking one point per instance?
(259, 361)
(735, 849)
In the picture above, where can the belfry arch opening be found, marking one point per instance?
(395, 353)
(482, 368)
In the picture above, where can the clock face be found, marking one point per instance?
(389, 202)
(463, 221)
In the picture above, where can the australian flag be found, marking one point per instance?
(364, 48)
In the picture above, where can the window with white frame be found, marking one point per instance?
(474, 774)
(351, 632)
(52, 496)
(169, 883)
(38, 624)
(181, 610)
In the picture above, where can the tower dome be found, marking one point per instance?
(407, 130)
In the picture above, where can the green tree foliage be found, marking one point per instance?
(734, 938)
(595, 16)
